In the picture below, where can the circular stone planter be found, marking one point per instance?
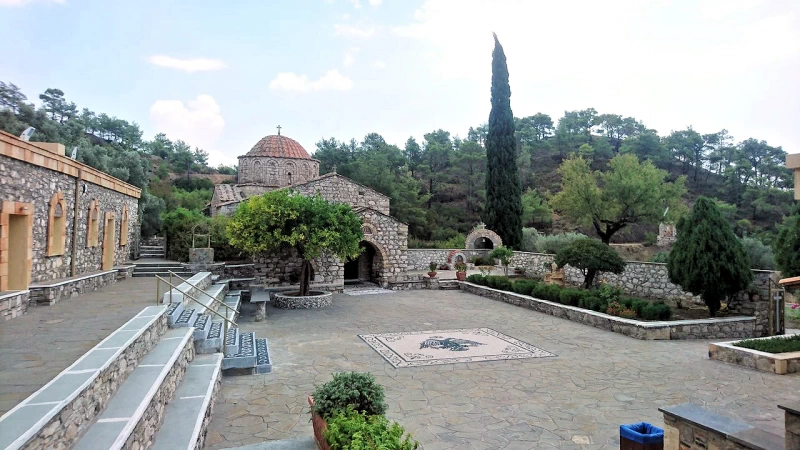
(315, 300)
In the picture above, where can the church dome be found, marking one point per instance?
(278, 146)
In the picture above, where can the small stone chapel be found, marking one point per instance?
(279, 162)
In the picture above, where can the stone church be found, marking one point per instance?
(279, 162)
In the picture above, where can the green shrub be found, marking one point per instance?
(529, 238)
(609, 293)
(650, 239)
(626, 302)
(177, 228)
(656, 311)
(354, 389)
(638, 305)
(613, 308)
(477, 279)
(570, 296)
(350, 430)
(591, 257)
(773, 345)
(660, 257)
(553, 243)
(547, 292)
(498, 282)
(524, 287)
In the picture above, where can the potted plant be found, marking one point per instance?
(461, 271)
(432, 266)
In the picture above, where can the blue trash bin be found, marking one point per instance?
(641, 436)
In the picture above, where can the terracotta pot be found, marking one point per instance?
(319, 425)
(461, 276)
(432, 274)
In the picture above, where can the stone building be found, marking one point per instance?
(64, 226)
(278, 162)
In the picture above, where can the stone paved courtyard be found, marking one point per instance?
(576, 400)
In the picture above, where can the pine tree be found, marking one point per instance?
(707, 259)
(503, 213)
(787, 246)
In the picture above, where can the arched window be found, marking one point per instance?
(57, 225)
(289, 177)
(257, 175)
(272, 173)
(123, 227)
(93, 222)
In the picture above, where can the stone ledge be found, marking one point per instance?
(52, 293)
(71, 409)
(13, 304)
(70, 280)
(777, 363)
(691, 427)
(313, 301)
(660, 330)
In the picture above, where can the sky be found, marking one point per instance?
(220, 75)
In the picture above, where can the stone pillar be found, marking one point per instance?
(431, 283)
(792, 414)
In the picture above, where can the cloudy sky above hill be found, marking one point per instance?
(220, 75)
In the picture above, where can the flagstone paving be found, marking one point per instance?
(576, 400)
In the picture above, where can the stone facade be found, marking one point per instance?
(35, 174)
(339, 189)
(667, 330)
(14, 304)
(481, 238)
(49, 293)
(780, 364)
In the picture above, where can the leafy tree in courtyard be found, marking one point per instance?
(787, 246)
(627, 193)
(504, 254)
(708, 259)
(590, 256)
(503, 212)
(309, 225)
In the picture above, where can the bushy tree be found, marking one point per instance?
(504, 254)
(177, 229)
(759, 255)
(787, 246)
(628, 192)
(708, 259)
(503, 212)
(590, 256)
(309, 225)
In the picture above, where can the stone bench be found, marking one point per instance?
(64, 408)
(690, 427)
(792, 424)
(53, 291)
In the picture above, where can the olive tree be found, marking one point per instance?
(590, 256)
(285, 219)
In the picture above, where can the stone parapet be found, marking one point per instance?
(52, 292)
(661, 330)
(316, 300)
(13, 304)
(690, 427)
(781, 363)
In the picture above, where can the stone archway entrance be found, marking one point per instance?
(483, 239)
(367, 267)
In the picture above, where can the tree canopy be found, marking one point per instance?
(787, 246)
(309, 225)
(628, 192)
(708, 259)
(590, 256)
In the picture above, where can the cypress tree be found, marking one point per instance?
(707, 259)
(503, 213)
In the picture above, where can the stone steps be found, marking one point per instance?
(187, 417)
(137, 407)
(449, 285)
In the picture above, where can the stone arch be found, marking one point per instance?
(481, 238)
(257, 173)
(272, 173)
(457, 256)
(370, 265)
(57, 225)
(291, 174)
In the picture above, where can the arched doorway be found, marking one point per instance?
(366, 267)
(483, 243)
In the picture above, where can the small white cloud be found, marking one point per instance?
(378, 64)
(26, 2)
(187, 65)
(354, 31)
(332, 80)
(375, 2)
(356, 3)
(198, 122)
(345, 16)
(350, 57)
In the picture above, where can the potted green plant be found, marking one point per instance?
(432, 266)
(461, 271)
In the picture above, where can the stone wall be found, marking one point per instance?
(691, 427)
(275, 172)
(419, 258)
(336, 188)
(28, 182)
(780, 364)
(13, 304)
(667, 330)
(282, 268)
(50, 293)
(389, 237)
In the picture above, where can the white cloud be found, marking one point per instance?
(356, 3)
(198, 122)
(378, 64)
(26, 2)
(332, 80)
(186, 65)
(375, 2)
(350, 57)
(354, 31)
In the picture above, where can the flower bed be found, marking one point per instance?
(773, 354)
(720, 328)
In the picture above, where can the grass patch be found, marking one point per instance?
(772, 345)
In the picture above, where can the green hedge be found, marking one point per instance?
(349, 390)
(774, 345)
(477, 279)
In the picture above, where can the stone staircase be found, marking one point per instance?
(449, 285)
(149, 384)
(151, 269)
(152, 251)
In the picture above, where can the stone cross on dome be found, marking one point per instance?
(279, 130)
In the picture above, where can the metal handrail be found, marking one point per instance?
(227, 322)
(173, 274)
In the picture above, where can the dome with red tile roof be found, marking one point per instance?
(278, 146)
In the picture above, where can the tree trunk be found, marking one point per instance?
(589, 278)
(305, 278)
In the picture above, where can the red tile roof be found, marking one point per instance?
(278, 146)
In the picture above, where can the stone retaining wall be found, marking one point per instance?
(419, 258)
(666, 330)
(125, 272)
(691, 427)
(781, 363)
(63, 430)
(143, 435)
(201, 438)
(14, 304)
(313, 301)
(50, 295)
